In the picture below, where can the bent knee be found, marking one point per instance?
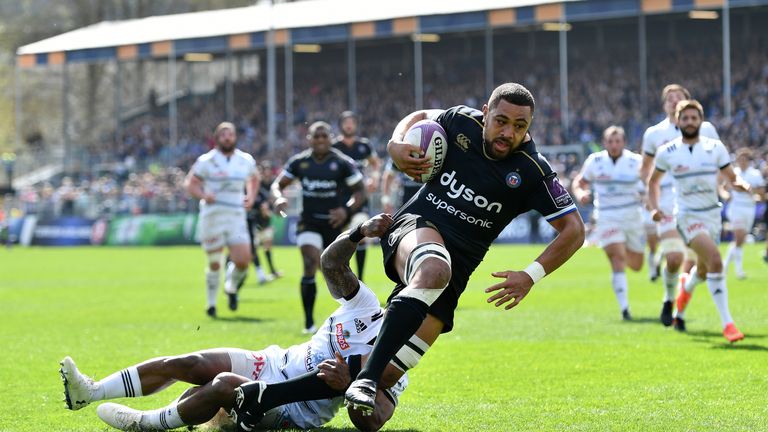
(432, 273)
(226, 382)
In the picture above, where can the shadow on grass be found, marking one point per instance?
(738, 346)
(709, 333)
(642, 320)
(338, 429)
(239, 318)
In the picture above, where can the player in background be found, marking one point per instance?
(614, 175)
(323, 172)
(407, 187)
(368, 163)
(693, 161)
(671, 247)
(741, 209)
(218, 179)
(261, 222)
(314, 373)
(491, 174)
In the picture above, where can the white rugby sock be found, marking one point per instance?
(692, 281)
(651, 263)
(719, 291)
(124, 383)
(670, 284)
(620, 288)
(163, 418)
(235, 277)
(738, 253)
(212, 283)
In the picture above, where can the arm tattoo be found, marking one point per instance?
(334, 263)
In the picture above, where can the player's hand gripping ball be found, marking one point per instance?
(430, 137)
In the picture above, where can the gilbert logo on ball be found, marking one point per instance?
(431, 139)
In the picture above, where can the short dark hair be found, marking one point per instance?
(513, 93)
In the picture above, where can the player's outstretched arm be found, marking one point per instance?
(334, 262)
(518, 284)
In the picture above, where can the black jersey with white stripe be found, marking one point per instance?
(475, 197)
(322, 181)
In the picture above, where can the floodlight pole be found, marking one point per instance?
(727, 59)
(288, 87)
(65, 115)
(643, 62)
(488, 60)
(351, 74)
(418, 77)
(229, 94)
(172, 112)
(17, 92)
(563, 48)
(118, 102)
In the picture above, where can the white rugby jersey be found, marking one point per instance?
(744, 199)
(663, 133)
(694, 170)
(350, 330)
(615, 184)
(225, 178)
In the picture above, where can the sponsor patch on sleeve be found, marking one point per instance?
(557, 192)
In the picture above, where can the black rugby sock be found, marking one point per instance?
(304, 388)
(360, 259)
(256, 260)
(404, 316)
(268, 253)
(308, 294)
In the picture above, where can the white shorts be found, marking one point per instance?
(223, 229)
(648, 224)
(310, 238)
(691, 224)
(264, 235)
(666, 224)
(609, 232)
(273, 365)
(741, 218)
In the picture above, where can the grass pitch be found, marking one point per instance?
(561, 360)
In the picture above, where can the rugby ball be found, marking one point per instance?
(430, 137)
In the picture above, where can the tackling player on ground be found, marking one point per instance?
(614, 176)
(671, 246)
(324, 172)
(693, 161)
(314, 373)
(218, 179)
(741, 209)
(491, 174)
(368, 163)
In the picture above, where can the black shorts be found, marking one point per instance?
(321, 227)
(443, 308)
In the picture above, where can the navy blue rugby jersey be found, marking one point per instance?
(360, 151)
(322, 181)
(474, 197)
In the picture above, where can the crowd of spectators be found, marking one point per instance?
(603, 89)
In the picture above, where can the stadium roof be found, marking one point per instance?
(319, 21)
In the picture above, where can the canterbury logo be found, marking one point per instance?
(463, 142)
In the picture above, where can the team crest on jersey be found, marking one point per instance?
(304, 165)
(514, 180)
(333, 166)
(361, 148)
(341, 337)
(463, 142)
(360, 326)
